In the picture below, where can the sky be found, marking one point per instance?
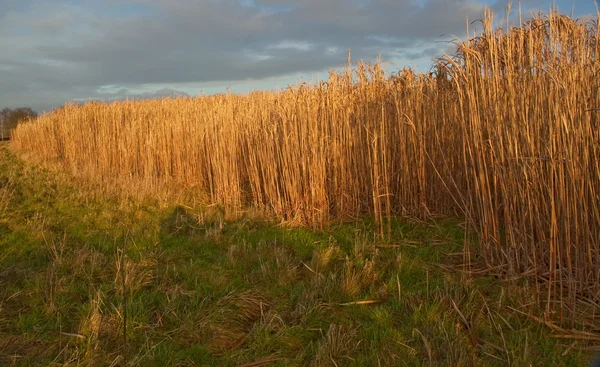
(55, 51)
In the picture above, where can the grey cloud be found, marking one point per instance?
(124, 93)
(62, 57)
(52, 25)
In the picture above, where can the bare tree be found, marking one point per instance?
(10, 118)
(3, 116)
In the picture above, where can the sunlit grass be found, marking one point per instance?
(503, 134)
(203, 290)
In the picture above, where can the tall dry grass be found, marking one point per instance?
(528, 110)
(504, 132)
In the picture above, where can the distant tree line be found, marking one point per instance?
(10, 118)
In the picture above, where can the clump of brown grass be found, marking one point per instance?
(335, 347)
(237, 314)
(137, 274)
(86, 340)
(323, 260)
(504, 132)
(357, 277)
(6, 194)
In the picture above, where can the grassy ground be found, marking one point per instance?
(200, 289)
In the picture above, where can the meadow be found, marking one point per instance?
(90, 278)
(313, 225)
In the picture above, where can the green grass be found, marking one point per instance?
(203, 290)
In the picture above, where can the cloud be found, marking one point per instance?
(55, 51)
(114, 93)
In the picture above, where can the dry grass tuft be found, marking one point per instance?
(89, 330)
(335, 347)
(323, 260)
(357, 278)
(237, 314)
(138, 274)
(6, 194)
